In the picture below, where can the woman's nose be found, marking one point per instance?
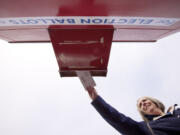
(144, 103)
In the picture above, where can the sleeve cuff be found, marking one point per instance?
(97, 101)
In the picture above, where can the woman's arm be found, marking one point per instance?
(119, 121)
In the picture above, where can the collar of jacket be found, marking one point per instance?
(156, 117)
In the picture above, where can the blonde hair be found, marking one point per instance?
(158, 103)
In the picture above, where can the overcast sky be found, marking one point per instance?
(35, 100)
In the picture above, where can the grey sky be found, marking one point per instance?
(34, 99)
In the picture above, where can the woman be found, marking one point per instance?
(156, 121)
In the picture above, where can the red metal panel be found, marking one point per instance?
(138, 34)
(23, 35)
(86, 47)
(26, 8)
(132, 8)
(82, 49)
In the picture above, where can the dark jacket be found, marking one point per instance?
(166, 125)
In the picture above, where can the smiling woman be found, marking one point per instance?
(150, 106)
(160, 124)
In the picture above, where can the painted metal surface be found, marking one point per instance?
(25, 8)
(85, 44)
(106, 8)
(82, 49)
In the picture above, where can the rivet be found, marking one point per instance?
(102, 60)
(102, 40)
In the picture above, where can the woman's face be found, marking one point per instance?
(147, 106)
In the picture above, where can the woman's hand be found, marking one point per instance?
(92, 93)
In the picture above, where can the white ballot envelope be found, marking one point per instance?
(86, 79)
